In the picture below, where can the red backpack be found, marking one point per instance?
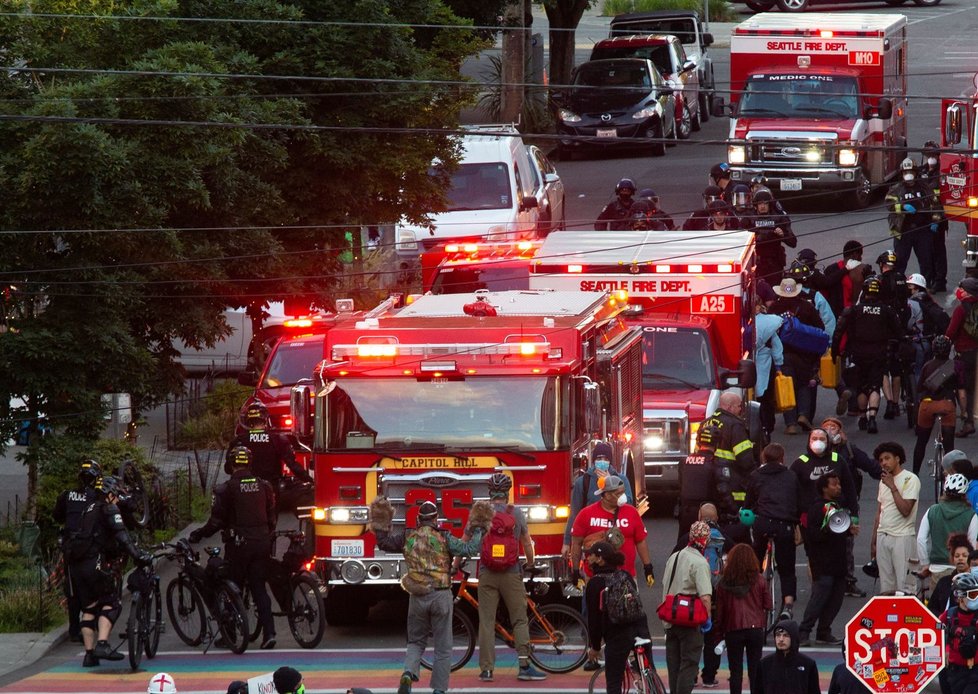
(500, 548)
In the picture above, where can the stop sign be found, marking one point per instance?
(894, 644)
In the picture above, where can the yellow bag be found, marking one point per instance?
(784, 392)
(830, 370)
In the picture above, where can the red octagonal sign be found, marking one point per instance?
(894, 644)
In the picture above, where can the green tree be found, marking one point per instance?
(563, 16)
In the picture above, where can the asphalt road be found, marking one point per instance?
(942, 56)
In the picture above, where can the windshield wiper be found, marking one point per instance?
(506, 448)
(760, 111)
(673, 379)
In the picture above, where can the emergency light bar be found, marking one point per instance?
(636, 268)
(368, 351)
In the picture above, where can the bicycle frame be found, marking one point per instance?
(502, 631)
(282, 570)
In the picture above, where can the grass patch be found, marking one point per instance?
(720, 11)
(27, 601)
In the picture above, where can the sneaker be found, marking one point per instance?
(854, 591)
(268, 643)
(404, 687)
(792, 429)
(103, 651)
(90, 660)
(592, 665)
(804, 423)
(485, 676)
(530, 673)
(863, 423)
(871, 427)
(710, 685)
(842, 406)
(786, 613)
(829, 639)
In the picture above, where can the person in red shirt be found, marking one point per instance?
(959, 331)
(959, 627)
(611, 510)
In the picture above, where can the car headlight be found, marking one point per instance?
(654, 442)
(647, 112)
(538, 514)
(407, 240)
(568, 116)
(736, 154)
(349, 514)
(847, 157)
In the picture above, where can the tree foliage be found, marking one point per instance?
(121, 235)
(563, 16)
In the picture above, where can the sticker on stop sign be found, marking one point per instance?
(894, 645)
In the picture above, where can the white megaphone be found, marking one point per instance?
(838, 520)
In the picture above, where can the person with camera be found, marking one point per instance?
(243, 508)
(96, 554)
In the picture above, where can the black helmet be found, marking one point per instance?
(800, 272)
(887, 257)
(721, 170)
(240, 455)
(500, 484)
(740, 195)
(625, 184)
(648, 194)
(762, 195)
(718, 206)
(941, 346)
(110, 484)
(89, 472)
(238, 687)
(256, 415)
(871, 569)
(427, 512)
(639, 214)
(711, 193)
(871, 286)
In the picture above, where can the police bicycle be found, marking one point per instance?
(136, 501)
(297, 590)
(202, 595)
(640, 675)
(145, 613)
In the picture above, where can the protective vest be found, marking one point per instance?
(868, 328)
(732, 445)
(75, 503)
(697, 478)
(249, 507)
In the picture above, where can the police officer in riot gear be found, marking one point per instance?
(68, 510)
(95, 554)
(913, 219)
(772, 232)
(720, 177)
(643, 219)
(734, 457)
(616, 215)
(243, 508)
(698, 477)
(655, 212)
(930, 174)
(269, 450)
(895, 293)
(869, 326)
(699, 220)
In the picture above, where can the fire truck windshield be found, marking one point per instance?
(494, 277)
(674, 357)
(294, 359)
(485, 412)
(800, 96)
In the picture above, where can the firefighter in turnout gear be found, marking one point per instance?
(243, 509)
(914, 218)
(734, 458)
(698, 477)
(930, 175)
(68, 510)
(95, 555)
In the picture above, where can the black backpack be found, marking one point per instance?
(622, 603)
(935, 318)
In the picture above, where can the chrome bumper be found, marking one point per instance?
(388, 569)
(818, 178)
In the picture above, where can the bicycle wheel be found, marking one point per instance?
(138, 498)
(769, 574)
(938, 469)
(629, 682)
(134, 628)
(463, 642)
(558, 638)
(232, 619)
(251, 609)
(186, 610)
(652, 682)
(153, 616)
(307, 613)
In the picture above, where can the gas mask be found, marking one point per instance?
(818, 447)
(908, 177)
(602, 465)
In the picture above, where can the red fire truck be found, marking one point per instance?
(959, 166)
(812, 95)
(428, 401)
(693, 297)
(463, 268)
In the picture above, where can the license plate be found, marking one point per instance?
(607, 132)
(347, 548)
(790, 184)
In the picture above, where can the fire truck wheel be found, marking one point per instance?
(759, 5)
(343, 609)
(793, 5)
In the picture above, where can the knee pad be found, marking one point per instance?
(113, 611)
(88, 624)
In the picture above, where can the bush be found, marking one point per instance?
(720, 10)
(214, 417)
(27, 601)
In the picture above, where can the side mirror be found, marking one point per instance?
(952, 124)
(755, 429)
(300, 398)
(592, 407)
(248, 378)
(551, 178)
(885, 109)
(707, 39)
(689, 65)
(748, 373)
(719, 108)
(529, 202)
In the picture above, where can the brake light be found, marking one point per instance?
(287, 422)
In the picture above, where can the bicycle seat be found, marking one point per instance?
(642, 641)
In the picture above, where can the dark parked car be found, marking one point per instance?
(624, 103)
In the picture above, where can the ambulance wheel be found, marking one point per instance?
(759, 5)
(793, 5)
(862, 192)
(926, 3)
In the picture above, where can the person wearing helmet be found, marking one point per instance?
(734, 458)
(699, 220)
(721, 217)
(649, 197)
(914, 218)
(243, 508)
(162, 683)
(952, 514)
(929, 172)
(68, 510)
(505, 581)
(642, 219)
(271, 450)
(96, 554)
(428, 555)
(738, 196)
(934, 320)
(616, 215)
(939, 388)
(772, 232)
(960, 622)
(894, 293)
(963, 333)
(866, 329)
(772, 494)
(720, 177)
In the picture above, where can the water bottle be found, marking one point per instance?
(720, 647)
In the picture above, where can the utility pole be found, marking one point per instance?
(513, 62)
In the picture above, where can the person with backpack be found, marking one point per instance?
(585, 484)
(500, 577)
(615, 615)
(95, 555)
(743, 597)
(428, 553)
(935, 319)
(963, 333)
(940, 386)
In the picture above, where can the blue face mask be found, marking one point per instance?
(602, 465)
(971, 605)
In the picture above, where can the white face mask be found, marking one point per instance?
(818, 447)
(932, 161)
(622, 500)
(908, 177)
(852, 264)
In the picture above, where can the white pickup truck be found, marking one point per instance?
(690, 29)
